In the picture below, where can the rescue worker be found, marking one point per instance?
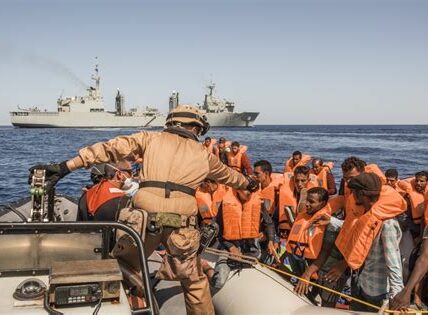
(311, 250)
(102, 201)
(174, 165)
(292, 196)
(237, 158)
(324, 175)
(369, 241)
(209, 144)
(296, 159)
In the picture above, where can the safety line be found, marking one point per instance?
(252, 261)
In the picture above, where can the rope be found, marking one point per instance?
(253, 261)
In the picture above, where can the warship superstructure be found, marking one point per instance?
(85, 112)
(220, 112)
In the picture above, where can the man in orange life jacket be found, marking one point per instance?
(415, 202)
(292, 196)
(102, 201)
(313, 244)
(296, 159)
(391, 176)
(269, 193)
(238, 159)
(222, 149)
(209, 144)
(369, 241)
(241, 219)
(324, 175)
(208, 197)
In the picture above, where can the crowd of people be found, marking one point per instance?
(295, 219)
(299, 220)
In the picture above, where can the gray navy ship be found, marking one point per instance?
(219, 112)
(85, 112)
(89, 112)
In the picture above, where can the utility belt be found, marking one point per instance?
(158, 220)
(168, 187)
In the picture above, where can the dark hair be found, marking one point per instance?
(353, 162)
(301, 170)
(207, 138)
(392, 172)
(297, 153)
(235, 144)
(221, 140)
(422, 173)
(314, 160)
(264, 165)
(321, 192)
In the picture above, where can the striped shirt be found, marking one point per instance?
(382, 271)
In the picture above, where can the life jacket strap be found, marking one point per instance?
(168, 187)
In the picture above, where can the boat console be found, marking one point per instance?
(49, 266)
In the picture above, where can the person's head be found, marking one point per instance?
(296, 157)
(316, 199)
(189, 118)
(97, 173)
(209, 185)
(391, 176)
(352, 166)
(317, 165)
(118, 172)
(235, 147)
(366, 189)
(221, 142)
(262, 171)
(207, 141)
(421, 181)
(301, 177)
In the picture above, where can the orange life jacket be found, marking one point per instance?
(360, 229)
(235, 160)
(287, 198)
(210, 148)
(268, 194)
(304, 240)
(288, 167)
(426, 210)
(208, 204)
(240, 221)
(417, 200)
(322, 175)
(99, 194)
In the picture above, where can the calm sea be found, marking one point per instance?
(401, 147)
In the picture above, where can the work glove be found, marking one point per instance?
(253, 185)
(54, 172)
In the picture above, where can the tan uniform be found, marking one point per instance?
(169, 157)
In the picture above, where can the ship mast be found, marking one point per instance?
(96, 77)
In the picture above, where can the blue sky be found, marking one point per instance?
(297, 62)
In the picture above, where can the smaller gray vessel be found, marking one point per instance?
(220, 112)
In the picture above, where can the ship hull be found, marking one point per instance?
(77, 120)
(224, 119)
